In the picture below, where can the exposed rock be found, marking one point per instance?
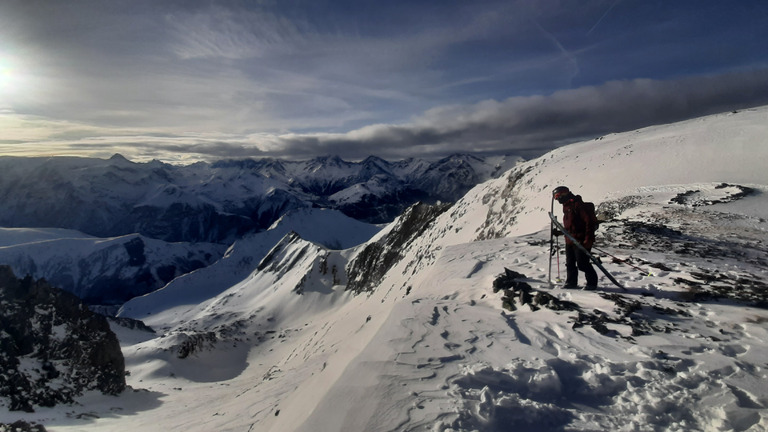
(52, 347)
(728, 193)
(192, 343)
(517, 290)
(628, 312)
(373, 262)
(131, 323)
(22, 426)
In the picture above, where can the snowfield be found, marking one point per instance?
(464, 332)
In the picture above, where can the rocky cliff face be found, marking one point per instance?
(373, 262)
(52, 348)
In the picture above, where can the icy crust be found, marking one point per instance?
(697, 366)
(706, 373)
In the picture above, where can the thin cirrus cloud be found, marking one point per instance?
(182, 81)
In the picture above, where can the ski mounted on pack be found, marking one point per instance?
(554, 247)
(552, 242)
(583, 249)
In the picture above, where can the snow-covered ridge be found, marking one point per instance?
(696, 226)
(721, 148)
(180, 298)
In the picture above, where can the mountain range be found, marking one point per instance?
(222, 201)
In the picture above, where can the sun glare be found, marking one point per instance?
(5, 77)
(10, 79)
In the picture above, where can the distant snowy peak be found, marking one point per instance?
(15, 236)
(330, 174)
(330, 228)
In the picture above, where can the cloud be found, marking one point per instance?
(526, 126)
(200, 79)
(530, 126)
(239, 66)
(219, 32)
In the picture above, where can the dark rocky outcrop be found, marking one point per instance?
(517, 290)
(373, 262)
(52, 347)
(22, 426)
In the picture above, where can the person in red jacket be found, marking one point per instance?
(578, 223)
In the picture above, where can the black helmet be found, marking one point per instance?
(560, 191)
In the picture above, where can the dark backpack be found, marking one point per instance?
(590, 209)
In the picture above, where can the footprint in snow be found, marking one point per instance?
(733, 350)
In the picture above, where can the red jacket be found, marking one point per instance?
(577, 222)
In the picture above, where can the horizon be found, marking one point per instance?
(206, 81)
(260, 158)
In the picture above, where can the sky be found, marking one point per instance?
(188, 80)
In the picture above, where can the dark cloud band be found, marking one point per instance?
(533, 125)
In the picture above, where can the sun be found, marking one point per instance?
(10, 79)
(6, 75)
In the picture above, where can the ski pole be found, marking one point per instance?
(624, 262)
(557, 250)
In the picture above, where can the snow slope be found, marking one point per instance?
(432, 346)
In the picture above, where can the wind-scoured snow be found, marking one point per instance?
(438, 345)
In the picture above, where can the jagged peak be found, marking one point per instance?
(289, 239)
(462, 157)
(329, 161)
(375, 160)
(117, 157)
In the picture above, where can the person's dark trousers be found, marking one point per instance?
(576, 260)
